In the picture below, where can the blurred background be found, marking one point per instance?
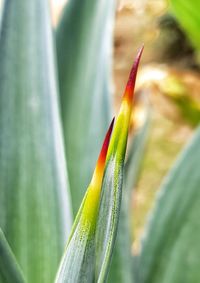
(168, 79)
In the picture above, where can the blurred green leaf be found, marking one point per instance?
(121, 268)
(171, 250)
(84, 46)
(187, 13)
(34, 205)
(177, 91)
(10, 272)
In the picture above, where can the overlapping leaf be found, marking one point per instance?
(171, 250)
(121, 268)
(89, 250)
(84, 46)
(112, 183)
(34, 207)
(10, 271)
(78, 261)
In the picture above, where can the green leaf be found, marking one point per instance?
(89, 249)
(171, 250)
(187, 13)
(111, 194)
(1, 8)
(34, 205)
(136, 151)
(77, 264)
(121, 268)
(10, 272)
(84, 40)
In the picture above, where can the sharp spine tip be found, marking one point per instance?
(104, 149)
(132, 77)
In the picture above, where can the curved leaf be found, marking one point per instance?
(77, 264)
(9, 270)
(34, 206)
(171, 250)
(112, 183)
(88, 252)
(187, 13)
(121, 267)
(84, 44)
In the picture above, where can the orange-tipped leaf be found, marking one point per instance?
(111, 192)
(77, 264)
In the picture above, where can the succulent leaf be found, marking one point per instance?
(170, 247)
(34, 201)
(84, 52)
(89, 249)
(77, 264)
(112, 183)
(10, 271)
(121, 269)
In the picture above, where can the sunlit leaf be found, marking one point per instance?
(121, 267)
(187, 13)
(112, 183)
(34, 207)
(9, 269)
(171, 250)
(84, 47)
(77, 264)
(88, 252)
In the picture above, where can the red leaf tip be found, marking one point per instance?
(129, 91)
(104, 149)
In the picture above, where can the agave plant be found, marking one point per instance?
(34, 189)
(50, 135)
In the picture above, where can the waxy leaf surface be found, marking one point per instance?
(89, 249)
(78, 261)
(112, 183)
(171, 250)
(10, 271)
(84, 52)
(34, 206)
(121, 269)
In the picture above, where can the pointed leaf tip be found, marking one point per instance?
(78, 260)
(104, 149)
(129, 91)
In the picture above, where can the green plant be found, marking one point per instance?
(34, 197)
(186, 13)
(171, 246)
(39, 196)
